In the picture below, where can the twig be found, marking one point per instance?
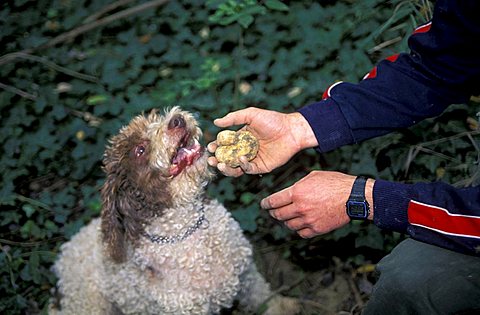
(50, 64)
(88, 27)
(41, 252)
(384, 44)
(458, 135)
(438, 154)
(106, 9)
(475, 145)
(30, 244)
(315, 304)
(99, 23)
(412, 153)
(14, 90)
(356, 293)
(467, 182)
(33, 202)
(283, 288)
(414, 150)
(91, 119)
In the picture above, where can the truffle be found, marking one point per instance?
(234, 144)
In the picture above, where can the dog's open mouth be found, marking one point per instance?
(188, 151)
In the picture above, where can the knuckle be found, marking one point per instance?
(305, 234)
(309, 221)
(277, 215)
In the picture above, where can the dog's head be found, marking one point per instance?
(155, 162)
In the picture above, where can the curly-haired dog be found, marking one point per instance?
(160, 247)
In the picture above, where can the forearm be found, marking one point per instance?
(302, 132)
(434, 213)
(442, 68)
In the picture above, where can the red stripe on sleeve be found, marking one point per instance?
(327, 94)
(372, 74)
(393, 58)
(440, 220)
(423, 29)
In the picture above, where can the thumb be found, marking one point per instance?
(277, 200)
(240, 117)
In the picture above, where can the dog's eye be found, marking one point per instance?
(139, 150)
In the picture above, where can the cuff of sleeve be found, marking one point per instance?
(328, 124)
(391, 205)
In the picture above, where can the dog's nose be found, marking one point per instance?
(176, 121)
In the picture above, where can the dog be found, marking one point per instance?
(160, 245)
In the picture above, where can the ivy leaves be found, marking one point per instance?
(243, 12)
(210, 58)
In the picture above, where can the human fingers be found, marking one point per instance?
(288, 212)
(278, 199)
(296, 224)
(229, 171)
(307, 233)
(249, 167)
(240, 117)
(212, 161)
(212, 147)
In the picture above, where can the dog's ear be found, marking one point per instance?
(113, 231)
(120, 216)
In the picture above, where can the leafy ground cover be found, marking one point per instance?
(73, 72)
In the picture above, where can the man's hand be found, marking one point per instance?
(280, 136)
(315, 204)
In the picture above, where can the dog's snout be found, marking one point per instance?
(177, 121)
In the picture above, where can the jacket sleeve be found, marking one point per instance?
(442, 68)
(434, 213)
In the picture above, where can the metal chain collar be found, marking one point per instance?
(172, 239)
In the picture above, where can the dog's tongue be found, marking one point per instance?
(185, 157)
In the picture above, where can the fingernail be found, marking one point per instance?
(211, 162)
(264, 204)
(272, 214)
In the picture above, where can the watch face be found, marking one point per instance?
(357, 209)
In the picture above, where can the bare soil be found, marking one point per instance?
(321, 286)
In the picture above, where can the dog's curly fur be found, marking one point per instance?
(156, 173)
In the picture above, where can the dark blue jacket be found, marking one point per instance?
(442, 68)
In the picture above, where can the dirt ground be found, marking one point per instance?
(332, 288)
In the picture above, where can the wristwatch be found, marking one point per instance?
(357, 205)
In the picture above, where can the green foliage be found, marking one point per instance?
(211, 59)
(243, 12)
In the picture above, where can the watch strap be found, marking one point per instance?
(358, 189)
(357, 205)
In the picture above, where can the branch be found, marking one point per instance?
(99, 23)
(14, 90)
(48, 63)
(88, 27)
(384, 44)
(438, 154)
(422, 147)
(30, 244)
(106, 9)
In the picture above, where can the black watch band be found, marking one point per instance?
(357, 206)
